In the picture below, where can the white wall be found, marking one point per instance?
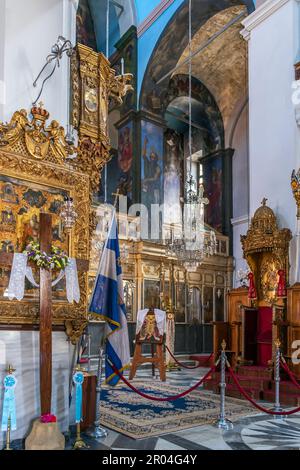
(21, 349)
(2, 38)
(273, 35)
(31, 28)
(239, 141)
(28, 29)
(240, 170)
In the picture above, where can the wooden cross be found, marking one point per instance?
(45, 311)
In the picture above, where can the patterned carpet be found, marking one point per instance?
(126, 412)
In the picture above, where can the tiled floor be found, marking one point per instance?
(255, 432)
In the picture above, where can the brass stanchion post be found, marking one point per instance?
(277, 406)
(79, 442)
(223, 422)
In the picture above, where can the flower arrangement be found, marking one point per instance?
(57, 260)
(48, 418)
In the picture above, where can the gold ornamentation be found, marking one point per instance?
(277, 343)
(33, 138)
(149, 328)
(77, 185)
(295, 184)
(266, 249)
(151, 270)
(92, 156)
(10, 369)
(119, 86)
(75, 328)
(90, 99)
(93, 83)
(223, 345)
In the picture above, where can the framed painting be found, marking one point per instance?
(27, 188)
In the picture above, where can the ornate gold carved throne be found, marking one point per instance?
(253, 325)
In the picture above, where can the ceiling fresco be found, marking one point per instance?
(212, 66)
(222, 65)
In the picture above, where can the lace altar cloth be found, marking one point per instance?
(20, 271)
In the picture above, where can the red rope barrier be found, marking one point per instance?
(171, 398)
(184, 366)
(290, 374)
(264, 410)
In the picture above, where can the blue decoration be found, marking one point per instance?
(9, 403)
(78, 379)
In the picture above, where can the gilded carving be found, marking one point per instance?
(76, 184)
(93, 83)
(119, 86)
(92, 156)
(266, 250)
(36, 140)
(151, 270)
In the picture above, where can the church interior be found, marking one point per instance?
(150, 225)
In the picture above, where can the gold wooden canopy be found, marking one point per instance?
(266, 249)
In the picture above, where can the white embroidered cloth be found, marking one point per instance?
(72, 285)
(20, 270)
(16, 284)
(160, 317)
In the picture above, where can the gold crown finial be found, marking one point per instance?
(39, 113)
(277, 343)
(223, 345)
(10, 369)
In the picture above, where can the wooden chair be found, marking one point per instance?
(149, 334)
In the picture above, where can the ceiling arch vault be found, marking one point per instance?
(221, 66)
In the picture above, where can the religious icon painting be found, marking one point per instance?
(213, 177)
(152, 171)
(119, 168)
(20, 204)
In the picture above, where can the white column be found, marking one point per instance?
(240, 226)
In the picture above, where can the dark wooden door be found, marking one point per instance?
(250, 335)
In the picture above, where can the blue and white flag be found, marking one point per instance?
(108, 302)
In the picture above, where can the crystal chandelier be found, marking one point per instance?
(194, 242)
(68, 214)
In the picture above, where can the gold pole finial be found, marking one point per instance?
(277, 343)
(10, 369)
(223, 345)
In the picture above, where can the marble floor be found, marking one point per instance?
(256, 432)
(259, 432)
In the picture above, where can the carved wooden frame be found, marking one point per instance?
(72, 316)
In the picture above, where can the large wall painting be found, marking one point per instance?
(85, 32)
(119, 169)
(173, 177)
(20, 205)
(152, 164)
(213, 176)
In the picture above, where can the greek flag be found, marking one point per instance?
(107, 302)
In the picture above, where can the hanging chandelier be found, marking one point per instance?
(193, 242)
